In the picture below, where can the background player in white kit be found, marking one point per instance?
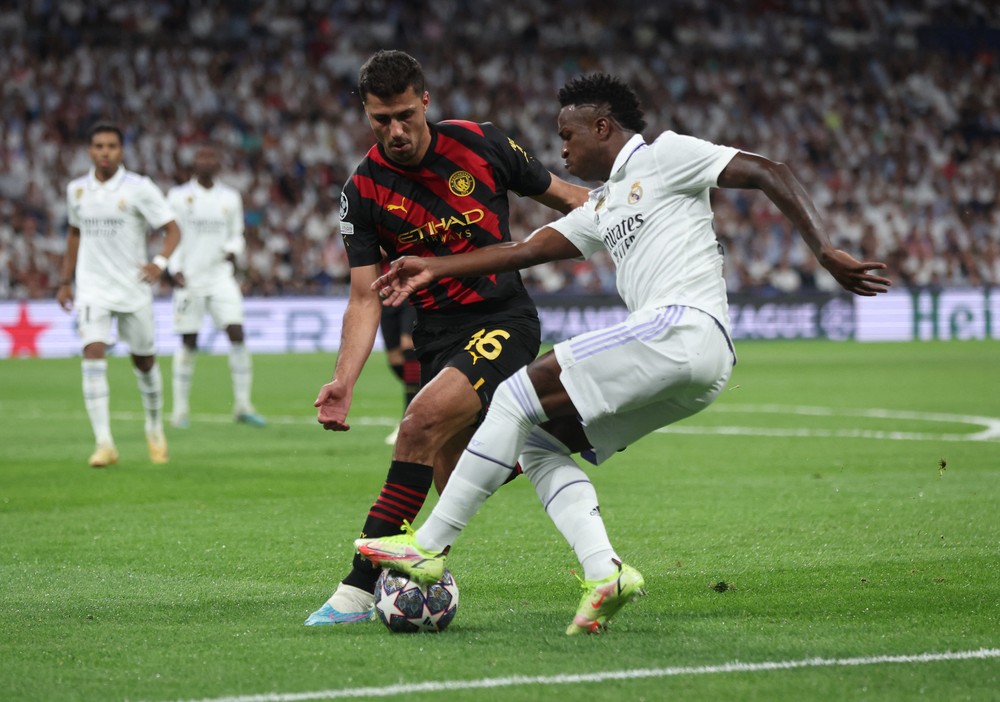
(210, 215)
(111, 211)
(602, 390)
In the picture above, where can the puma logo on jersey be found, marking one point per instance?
(401, 206)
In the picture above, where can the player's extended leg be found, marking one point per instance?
(241, 371)
(183, 375)
(492, 454)
(137, 330)
(570, 500)
(442, 409)
(486, 464)
(147, 374)
(96, 399)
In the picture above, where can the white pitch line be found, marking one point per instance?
(990, 425)
(404, 688)
(818, 433)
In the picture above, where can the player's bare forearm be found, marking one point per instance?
(781, 186)
(409, 274)
(64, 295)
(172, 237)
(357, 338)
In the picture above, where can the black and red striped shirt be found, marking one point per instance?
(454, 201)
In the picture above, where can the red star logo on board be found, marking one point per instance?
(24, 335)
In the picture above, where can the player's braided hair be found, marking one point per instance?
(605, 92)
(388, 73)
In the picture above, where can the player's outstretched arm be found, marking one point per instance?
(781, 186)
(64, 295)
(409, 274)
(357, 338)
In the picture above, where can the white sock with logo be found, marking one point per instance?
(151, 389)
(241, 370)
(570, 500)
(183, 373)
(96, 398)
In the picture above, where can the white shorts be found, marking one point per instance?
(137, 329)
(224, 303)
(655, 368)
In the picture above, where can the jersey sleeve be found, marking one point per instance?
(357, 226)
(578, 227)
(522, 173)
(689, 164)
(153, 205)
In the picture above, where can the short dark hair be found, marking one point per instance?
(610, 92)
(105, 128)
(388, 73)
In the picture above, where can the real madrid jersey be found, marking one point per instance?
(454, 200)
(114, 218)
(654, 217)
(211, 223)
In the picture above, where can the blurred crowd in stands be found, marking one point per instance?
(888, 111)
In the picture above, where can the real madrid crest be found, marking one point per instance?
(461, 183)
(122, 205)
(635, 193)
(78, 193)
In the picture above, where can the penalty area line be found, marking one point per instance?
(576, 678)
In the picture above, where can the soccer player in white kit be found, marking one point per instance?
(602, 390)
(203, 267)
(111, 211)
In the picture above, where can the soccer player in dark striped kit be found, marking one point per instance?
(430, 189)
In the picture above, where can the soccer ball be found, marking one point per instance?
(406, 606)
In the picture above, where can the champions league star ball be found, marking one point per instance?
(406, 606)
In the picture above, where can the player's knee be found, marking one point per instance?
(427, 425)
(143, 363)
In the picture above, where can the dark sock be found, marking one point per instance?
(514, 473)
(402, 496)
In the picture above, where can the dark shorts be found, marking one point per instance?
(395, 322)
(486, 353)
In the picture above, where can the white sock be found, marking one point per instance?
(183, 366)
(151, 389)
(241, 370)
(570, 500)
(487, 461)
(96, 398)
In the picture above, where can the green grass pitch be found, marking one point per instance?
(813, 489)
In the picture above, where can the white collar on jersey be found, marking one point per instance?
(112, 183)
(631, 146)
(202, 188)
